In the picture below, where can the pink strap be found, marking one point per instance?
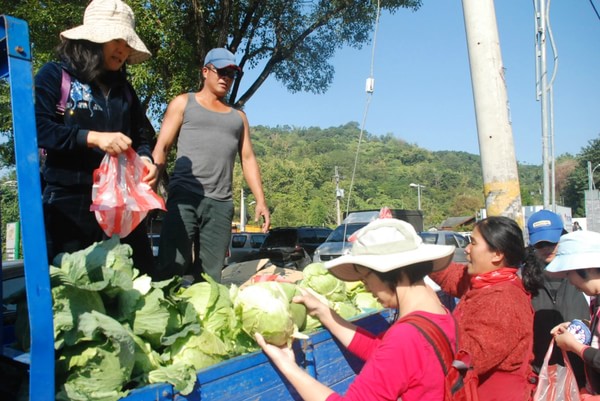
(65, 86)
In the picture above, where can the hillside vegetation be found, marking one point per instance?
(298, 168)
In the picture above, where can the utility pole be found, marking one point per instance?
(496, 146)
(339, 195)
(544, 95)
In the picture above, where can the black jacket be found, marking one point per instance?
(69, 161)
(557, 302)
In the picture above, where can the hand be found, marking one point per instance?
(112, 143)
(560, 329)
(151, 178)
(279, 355)
(565, 340)
(263, 210)
(314, 306)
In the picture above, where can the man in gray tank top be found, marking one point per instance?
(209, 134)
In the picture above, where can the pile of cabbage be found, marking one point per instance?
(115, 330)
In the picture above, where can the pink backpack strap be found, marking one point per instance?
(65, 87)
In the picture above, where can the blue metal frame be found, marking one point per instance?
(15, 65)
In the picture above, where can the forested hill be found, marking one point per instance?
(298, 167)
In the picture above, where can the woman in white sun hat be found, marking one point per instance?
(391, 260)
(578, 257)
(85, 108)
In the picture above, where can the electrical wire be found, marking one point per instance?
(366, 111)
(595, 10)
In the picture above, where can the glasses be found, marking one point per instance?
(226, 72)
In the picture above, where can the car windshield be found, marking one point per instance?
(338, 234)
(281, 238)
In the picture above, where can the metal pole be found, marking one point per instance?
(543, 94)
(419, 196)
(498, 161)
(337, 197)
(242, 211)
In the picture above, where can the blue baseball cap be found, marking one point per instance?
(221, 58)
(544, 226)
(576, 250)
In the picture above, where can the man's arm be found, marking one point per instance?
(169, 131)
(251, 172)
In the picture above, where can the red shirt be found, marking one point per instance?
(400, 363)
(495, 325)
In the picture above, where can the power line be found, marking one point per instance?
(595, 10)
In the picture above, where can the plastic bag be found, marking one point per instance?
(120, 199)
(556, 382)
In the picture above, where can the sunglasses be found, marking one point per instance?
(544, 244)
(227, 72)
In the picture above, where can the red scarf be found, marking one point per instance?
(494, 277)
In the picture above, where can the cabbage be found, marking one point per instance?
(318, 278)
(198, 348)
(181, 375)
(100, 364)
(264, 308)
(156, 318)
(213, 305)
(365, 301)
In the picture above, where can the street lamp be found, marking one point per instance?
(418, 186)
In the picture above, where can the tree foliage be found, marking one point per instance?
(291, 41)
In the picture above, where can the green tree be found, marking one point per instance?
(292, 41)
(577, 181)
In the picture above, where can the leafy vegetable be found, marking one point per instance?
(264, 308)
(318, 278)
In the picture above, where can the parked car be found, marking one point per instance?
(448, 238)
(13, 281)
(292, 247)
(337, 243)
(243, 246)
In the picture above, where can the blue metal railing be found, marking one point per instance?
(15, 66)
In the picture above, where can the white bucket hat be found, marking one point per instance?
(576, 250)
(385, 245)
(106, 20)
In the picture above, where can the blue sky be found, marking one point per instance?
(423, 91)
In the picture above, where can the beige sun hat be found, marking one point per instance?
(385, 245)
(106, 20)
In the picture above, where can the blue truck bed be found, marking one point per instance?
(253, 377)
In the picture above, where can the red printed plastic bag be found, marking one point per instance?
(556, 382)
(120, 199)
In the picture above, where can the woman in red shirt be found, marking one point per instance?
(390, 258)
(494, 314)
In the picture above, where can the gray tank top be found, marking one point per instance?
(207, 146)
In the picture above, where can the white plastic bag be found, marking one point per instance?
(556, 382)
(120, 199)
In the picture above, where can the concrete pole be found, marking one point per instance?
(496, 146)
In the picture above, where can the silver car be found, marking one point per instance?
(448, 238)
(337, 243)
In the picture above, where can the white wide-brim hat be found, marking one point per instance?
(385, 245)
(576, 250)
(106, 20)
